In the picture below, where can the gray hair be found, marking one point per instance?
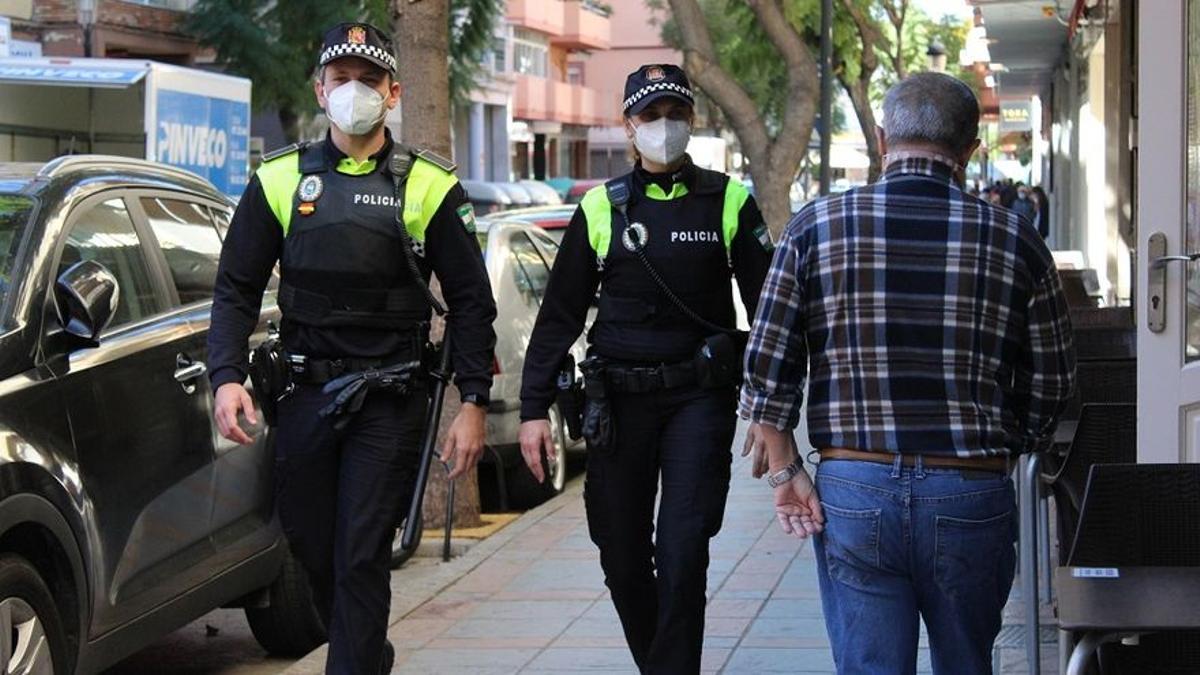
(931, 108)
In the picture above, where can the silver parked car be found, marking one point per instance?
(519, 257)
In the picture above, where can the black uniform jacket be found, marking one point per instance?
(254, 244)
(690, 257)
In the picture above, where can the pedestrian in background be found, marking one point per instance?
(933, 334)
(1024, 204)
(1042, 217)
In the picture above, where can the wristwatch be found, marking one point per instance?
(785, 474)
(478, 399)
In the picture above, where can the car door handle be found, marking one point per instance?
(187, 370)
(191, 372)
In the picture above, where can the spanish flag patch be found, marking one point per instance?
(306, 208)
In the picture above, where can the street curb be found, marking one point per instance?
(410, 591)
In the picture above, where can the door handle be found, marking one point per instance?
(1162, 260)
(1156, 290)
(187, 370)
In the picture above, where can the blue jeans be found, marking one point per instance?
(902, 543)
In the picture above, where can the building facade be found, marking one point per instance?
(636, 40)
(532, 117)
(1075, 74)
(141, 29)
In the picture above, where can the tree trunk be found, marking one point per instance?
(859, 92)
(423, 46)
(773, 194)
(859, 89)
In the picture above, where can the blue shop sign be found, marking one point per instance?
(209, 136)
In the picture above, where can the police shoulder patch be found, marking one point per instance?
(763, 235)
(466, 213)
(281, 152)
(437, 160)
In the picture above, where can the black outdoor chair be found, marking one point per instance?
(1134, 571)
(1104, 333)
(1081, 287)
(1107, 433)
(1108, 381)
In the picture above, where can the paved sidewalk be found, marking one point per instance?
(531, 599)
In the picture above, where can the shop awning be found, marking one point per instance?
(1027, 37)
(104, 73)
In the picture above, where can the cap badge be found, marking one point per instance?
(357, 35)
(655, 74)
(311, 188)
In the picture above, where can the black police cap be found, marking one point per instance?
(359, 39)
(654, 81)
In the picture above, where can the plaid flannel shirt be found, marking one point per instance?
(931, 321)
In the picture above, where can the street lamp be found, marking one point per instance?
(937, 56)
(87, 19)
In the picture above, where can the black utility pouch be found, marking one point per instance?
(570, 398)
(598, 425)
(718, 361)
(597, 411)
(271, 377)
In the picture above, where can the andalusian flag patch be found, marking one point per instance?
(466, 213)
(763, 235)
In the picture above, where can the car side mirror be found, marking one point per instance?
(86, 300)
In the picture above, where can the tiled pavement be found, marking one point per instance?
(531, 599)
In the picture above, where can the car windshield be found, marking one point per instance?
(14, 214)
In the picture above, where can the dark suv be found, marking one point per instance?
(123, 513)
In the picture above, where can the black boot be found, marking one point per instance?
(389, 657)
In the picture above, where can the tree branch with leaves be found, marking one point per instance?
(774, 158)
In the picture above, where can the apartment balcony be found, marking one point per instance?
(564, 102)
(584, 27)
(531, 100)
(544, 16)
(537, 98)
(597, 107)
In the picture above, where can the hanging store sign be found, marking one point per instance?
(1015, 116)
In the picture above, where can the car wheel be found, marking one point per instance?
(38, 643)
(524, 492)
(400, 555)
(289, 625)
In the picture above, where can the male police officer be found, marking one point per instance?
(327, 212)
(662, 334)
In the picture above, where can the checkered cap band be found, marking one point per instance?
(350, 49)
(651, 88)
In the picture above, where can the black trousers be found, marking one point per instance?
(683, 435)
(339, 494)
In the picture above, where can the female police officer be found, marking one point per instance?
(658, 361)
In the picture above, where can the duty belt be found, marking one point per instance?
(641, 379)
(308, 370)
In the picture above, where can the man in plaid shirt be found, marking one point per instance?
(934, 337)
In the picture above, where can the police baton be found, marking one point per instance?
(441, 377)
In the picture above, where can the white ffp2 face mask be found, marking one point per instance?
(662, 141)
(355, 108)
